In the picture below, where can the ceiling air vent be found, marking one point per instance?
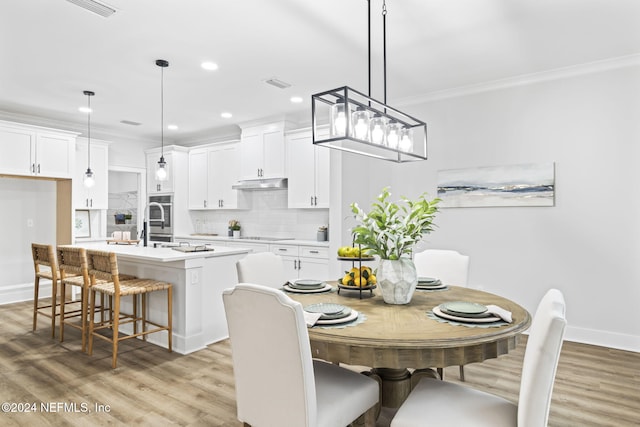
(129, 122)
(277, 83)
(95, 7)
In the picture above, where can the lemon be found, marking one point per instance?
(372, 279)
(347, 280)
(360, 281)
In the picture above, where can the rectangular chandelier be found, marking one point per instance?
(359, 124)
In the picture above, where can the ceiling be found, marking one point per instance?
(52, 50)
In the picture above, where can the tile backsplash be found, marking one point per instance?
(268, 216)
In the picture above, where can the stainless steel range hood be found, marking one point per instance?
(261, 184)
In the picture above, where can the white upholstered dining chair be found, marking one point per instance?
(263, 268)
(277, 382)
(434, 402)
(451, 267)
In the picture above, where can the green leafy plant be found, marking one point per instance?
(234, 224)
(390, 230)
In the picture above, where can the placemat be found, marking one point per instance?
(361, 318)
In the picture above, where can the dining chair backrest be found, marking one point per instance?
(262, 268)
(272, 363)
(451, 267)
(541, 360)
(103, 266)
(44, 256)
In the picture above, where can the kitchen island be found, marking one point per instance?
(198, 280)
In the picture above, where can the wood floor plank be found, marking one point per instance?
(595, 386)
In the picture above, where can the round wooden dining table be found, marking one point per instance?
(395, 338)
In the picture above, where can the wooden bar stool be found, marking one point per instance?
(44, 264)
(104, 277)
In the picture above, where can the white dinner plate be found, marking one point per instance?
(308, 283)
(427, 287)
(325, 288)
(436, 310)
(353, 316)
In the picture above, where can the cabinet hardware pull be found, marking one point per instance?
(315, 199)
(282, 249)
(299, 265)
(91, 202)
(38, 167)
(313, 252)
(205, 203)
(311, 201)
(33, 168)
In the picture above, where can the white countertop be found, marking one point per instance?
(150, 253)
(210, 238)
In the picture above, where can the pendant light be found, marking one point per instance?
(363, 125)
(161, 172)
(89, 181)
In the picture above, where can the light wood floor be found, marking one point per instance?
(595, 386)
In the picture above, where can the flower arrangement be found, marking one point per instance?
(234, 224)
(391, 230)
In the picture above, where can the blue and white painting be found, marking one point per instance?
(514, 185)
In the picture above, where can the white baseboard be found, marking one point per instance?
(603, 338)
(23, 292)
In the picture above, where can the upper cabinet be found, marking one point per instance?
(262, 152)
(212, 172)
(308, 171)
(176, 158)
(36, 151)
(96, 197)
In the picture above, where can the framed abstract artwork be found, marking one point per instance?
(513, 185)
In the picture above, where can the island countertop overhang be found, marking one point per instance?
(149, 253)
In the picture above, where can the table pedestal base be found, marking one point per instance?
(396, 384)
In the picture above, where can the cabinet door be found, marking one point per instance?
(55, 155)
(322, 176)
(273, 154)
(198, 180)
(227, 166)
(96, 197)
(300, 164)
(18, 149)
(290, 267)
(313, 268)
(153, 185)
(251, 153)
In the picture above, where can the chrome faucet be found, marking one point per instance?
(146, 220)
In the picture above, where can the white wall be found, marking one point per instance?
(29, 215)
(588, 245)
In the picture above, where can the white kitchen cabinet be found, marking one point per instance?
(176, 158)
(262, 152)
(96, 197)
(35, 151)
(308, 172)
(303, 262)
(212, 172)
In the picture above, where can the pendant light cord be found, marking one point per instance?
(369, 42)
(89, 132)
(384, 46)
(162, 111)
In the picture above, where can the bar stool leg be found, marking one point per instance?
(170, 315)
(116, 321)
(36, 289)
(63, 297)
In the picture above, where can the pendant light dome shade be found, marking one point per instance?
(88, 180)
(161, 172)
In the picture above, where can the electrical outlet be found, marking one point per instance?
(29, 223)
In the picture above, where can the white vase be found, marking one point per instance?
(236, 234)
(397, 280)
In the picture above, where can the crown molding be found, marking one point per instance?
(526, 79)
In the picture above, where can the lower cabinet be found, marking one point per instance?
(303, 262)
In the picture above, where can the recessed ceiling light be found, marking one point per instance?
(209, 66)
(85, 110)
(296, 99)
(172, 127)
(226, 115)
